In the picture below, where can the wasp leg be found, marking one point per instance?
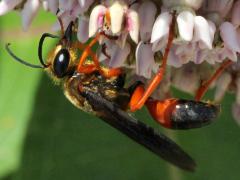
(178, 113)
(138, 100)
(182, 114)
(204, 87)
(87, 52)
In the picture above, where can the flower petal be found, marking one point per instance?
(236, 112)
(222, 86)
(185, 21)
(230, 54)
(159, 45)
(133, 24)
(96, 19)
(147, 12)
(161, 27)
(116, 15)
(104, 52)
(185, 52)
(200, 56)
(85, 3)
(83, 25)
(173, 59)
(122, 38)
(195, 4)
(212, 29)
(186, 76)
(202, 32)
(236, 13)
(29, 11)
(67, 5)
(220, 7)
(144, 60)
(229, 35)
(118, 56)
(66, 19)
(51, 5)
(8, 5)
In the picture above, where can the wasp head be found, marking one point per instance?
(61, 61)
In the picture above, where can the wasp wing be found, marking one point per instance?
(140, 132)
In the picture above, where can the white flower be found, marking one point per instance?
(82, 33)
(144, 55)
(51, 5)
(29, 11)
(147, 12)
(8, 5)
(144, 60)
(115, 20)
(236, 14)
(194, 4)
(160, 31)
(230, 38)
(112, 55)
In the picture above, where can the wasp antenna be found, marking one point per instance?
(68, 32)
(58, 10)
(20, 60)
(40, 47)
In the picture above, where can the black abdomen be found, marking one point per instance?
(193, 114)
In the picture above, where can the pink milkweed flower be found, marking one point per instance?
(28, 11)
(113, 55)
(50, 5)
(229, 30)
(191, 29)
(145, 62)
(115, 19)
(8, 5)
(186, 76)
(230, 80)
(235, 19)
(71, 10)
(193, 4)
(228, 45)
(216, 10)
(230, 38)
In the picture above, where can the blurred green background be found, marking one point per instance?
(43, 136)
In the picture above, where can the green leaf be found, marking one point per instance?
(18, 85)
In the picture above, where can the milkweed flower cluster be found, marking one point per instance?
(207, 32)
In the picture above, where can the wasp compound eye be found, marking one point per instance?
(61, 63)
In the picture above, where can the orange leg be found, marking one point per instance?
(178, 113)
(137, 103)
(87, 52)
(204, 87)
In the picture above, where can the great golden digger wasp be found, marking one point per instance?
(101, 91)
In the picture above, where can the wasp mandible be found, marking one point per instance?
(98, 90)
